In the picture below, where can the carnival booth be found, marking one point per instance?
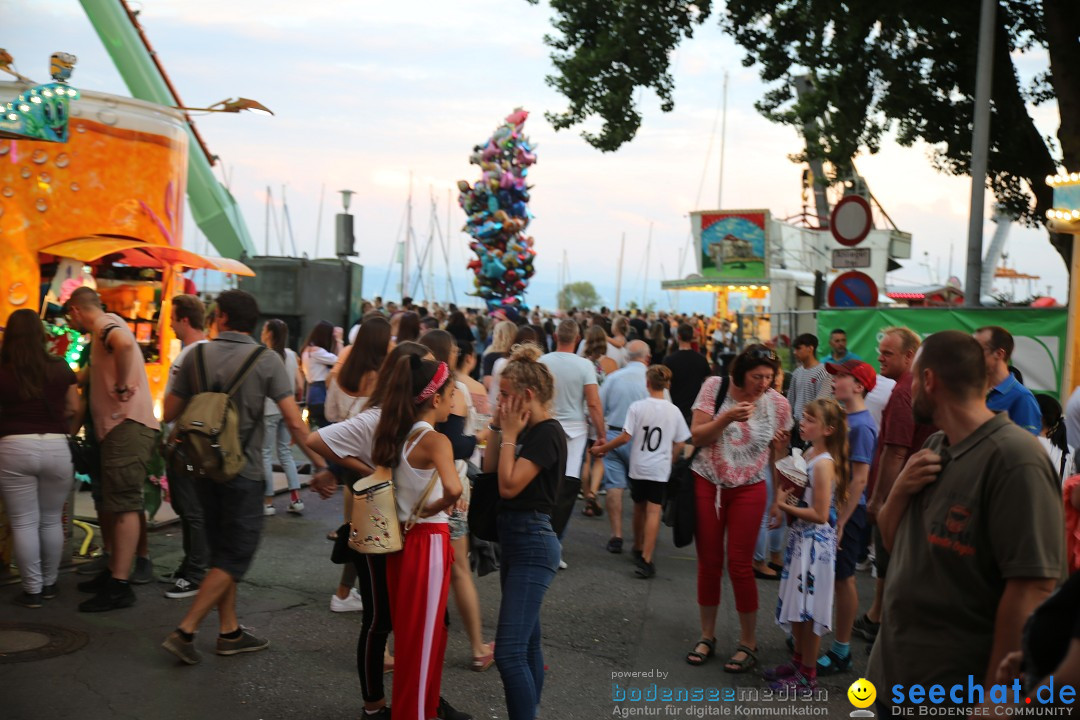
(101, 204)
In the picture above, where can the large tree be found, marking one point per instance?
(906, 66)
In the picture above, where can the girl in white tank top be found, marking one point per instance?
(426, 485)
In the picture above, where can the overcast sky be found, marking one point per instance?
(365, 93)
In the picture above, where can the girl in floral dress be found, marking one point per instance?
(805, 605)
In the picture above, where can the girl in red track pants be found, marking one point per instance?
(419, 579)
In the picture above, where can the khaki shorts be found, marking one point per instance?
(125, 456)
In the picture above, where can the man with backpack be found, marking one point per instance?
(217, 400)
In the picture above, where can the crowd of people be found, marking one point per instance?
(940, 470)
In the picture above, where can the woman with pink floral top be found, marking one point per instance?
(730, 477)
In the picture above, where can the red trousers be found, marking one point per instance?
(739, 515)
(419, 579)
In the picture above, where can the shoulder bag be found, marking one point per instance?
(680, 512)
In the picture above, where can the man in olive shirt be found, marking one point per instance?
(974, 524)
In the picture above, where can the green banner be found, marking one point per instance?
(1039, 334)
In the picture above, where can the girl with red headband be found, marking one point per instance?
(418, 396)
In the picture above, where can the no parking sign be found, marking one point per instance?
(853, 289)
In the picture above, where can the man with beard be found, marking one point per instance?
(974, 524)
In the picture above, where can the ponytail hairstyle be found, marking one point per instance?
(524, 371)
(279, 336)
(411, 388)
(1053, 422)
(829, 413)
(658, 377)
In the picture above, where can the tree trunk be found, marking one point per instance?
(1062, 19)
(1013, 125)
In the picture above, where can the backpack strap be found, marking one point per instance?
(721, 395)
(200, 369)
(242, 373)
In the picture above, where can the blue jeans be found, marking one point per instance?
(277, 435)
(530, 559)
(768, 541)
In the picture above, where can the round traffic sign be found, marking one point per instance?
(853, 289)
(851, 220)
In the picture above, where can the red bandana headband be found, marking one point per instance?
(441, 376)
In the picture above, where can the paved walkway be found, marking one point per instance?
(599, 620)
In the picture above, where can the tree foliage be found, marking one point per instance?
(907, 66)
(581, 295)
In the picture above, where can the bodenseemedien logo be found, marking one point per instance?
(862, 694)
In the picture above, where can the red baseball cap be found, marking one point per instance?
(857, 369)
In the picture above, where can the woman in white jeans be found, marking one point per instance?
(38, 398)
(275, 335)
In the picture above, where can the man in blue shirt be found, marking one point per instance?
(620, 389)
(838, 344)
(1006, 394)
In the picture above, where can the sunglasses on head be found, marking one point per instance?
(762, 354)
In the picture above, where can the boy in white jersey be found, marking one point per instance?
(658, 431)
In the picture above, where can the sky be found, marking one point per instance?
(366, 95)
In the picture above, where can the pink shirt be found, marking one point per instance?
(105, 405)
(739, 455)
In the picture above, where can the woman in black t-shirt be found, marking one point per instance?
(530, 457)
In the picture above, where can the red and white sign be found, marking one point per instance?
(851, 220)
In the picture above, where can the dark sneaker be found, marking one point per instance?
(143, 572)
(645, 570)
(97, 584)
(836, 664)
(447, 712)
(636, 555)
(866, 628)
(614, 545)
(245, 643)
(28, 600)
(49, 592)
(382, 713)
(182, 588)
(114, 597)
(95, 566)
(182, 649)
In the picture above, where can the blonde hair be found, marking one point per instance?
(524, 371)
(909, 341)
(503, 336)
(829, 413)
(658, 377)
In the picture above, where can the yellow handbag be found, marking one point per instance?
(374, 528)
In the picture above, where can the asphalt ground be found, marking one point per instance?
(599, 620)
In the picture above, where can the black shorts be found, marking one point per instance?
(647, 491)
(852, 543)
(234, 521)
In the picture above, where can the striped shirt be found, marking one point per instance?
(807, 384)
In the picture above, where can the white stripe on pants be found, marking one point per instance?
(35, 479)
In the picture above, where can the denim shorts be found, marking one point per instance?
(234, 521)
(856, 536)
(616, 464)
(459, 524)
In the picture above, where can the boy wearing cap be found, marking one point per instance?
(852, 380)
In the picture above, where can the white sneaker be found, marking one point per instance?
(269, 510)
(351, 603)
(296, 507)
(563, 565)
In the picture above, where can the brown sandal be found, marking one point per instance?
(738, 667)
(592, 508)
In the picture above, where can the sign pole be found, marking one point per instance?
(980, 148)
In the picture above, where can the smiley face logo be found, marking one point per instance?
(862, 693)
